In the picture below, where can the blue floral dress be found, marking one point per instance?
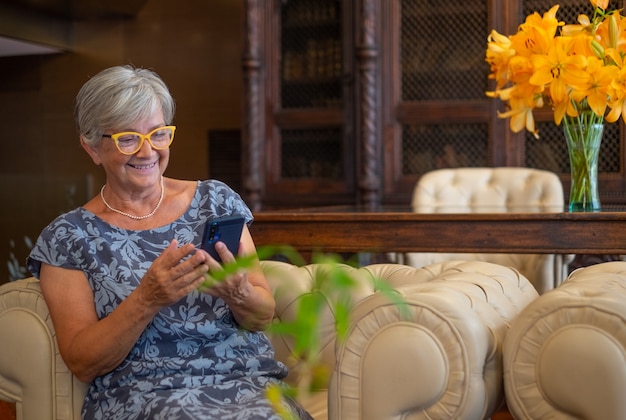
(192, 361)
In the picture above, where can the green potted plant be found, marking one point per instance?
(304, 330)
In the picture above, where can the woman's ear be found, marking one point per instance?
(91, 151)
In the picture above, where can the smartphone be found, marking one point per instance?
(225, 229)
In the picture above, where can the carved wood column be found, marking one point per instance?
(369, 158)
(252, 121)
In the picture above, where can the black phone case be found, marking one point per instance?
(225, 229)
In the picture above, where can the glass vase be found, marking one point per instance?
(583, 146)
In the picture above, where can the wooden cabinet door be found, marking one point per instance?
(437, 113)
(301, 138)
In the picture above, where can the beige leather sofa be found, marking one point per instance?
(565, 355)
(493, 190)
(443, 361)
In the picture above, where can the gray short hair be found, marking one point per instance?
(118, 97)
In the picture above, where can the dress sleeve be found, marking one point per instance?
(54, 245)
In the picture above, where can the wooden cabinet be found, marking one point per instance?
(351, 101)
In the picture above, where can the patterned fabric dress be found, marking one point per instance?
(192, 361)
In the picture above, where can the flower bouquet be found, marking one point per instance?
(576, 69)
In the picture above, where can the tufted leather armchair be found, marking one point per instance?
(443, 360)
(493, 190)
(565, 355)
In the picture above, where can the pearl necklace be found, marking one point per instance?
(131, 215)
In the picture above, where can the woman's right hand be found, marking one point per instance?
(173, 275)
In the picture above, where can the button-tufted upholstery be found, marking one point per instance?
(565, 355)
(443, 360)
(493, 190)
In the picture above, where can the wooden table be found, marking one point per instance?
(398, 229)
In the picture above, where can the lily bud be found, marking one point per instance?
(613, 31)
(598, 49)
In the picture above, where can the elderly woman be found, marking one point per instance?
(122, 274)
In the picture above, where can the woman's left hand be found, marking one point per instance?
(246, 292)
(235, 288)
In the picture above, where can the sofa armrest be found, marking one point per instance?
(564, 356)
(32, 372)
(443, 360)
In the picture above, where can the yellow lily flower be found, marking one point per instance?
(602, 4)
(583, 27)
(499, 52)
(536, 34)
(618, 97)
(521, 108)
(557, 69)
(595, 88)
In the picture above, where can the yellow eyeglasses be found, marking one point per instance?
(129, 142)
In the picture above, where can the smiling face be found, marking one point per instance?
(122, 99)
(132, 173)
